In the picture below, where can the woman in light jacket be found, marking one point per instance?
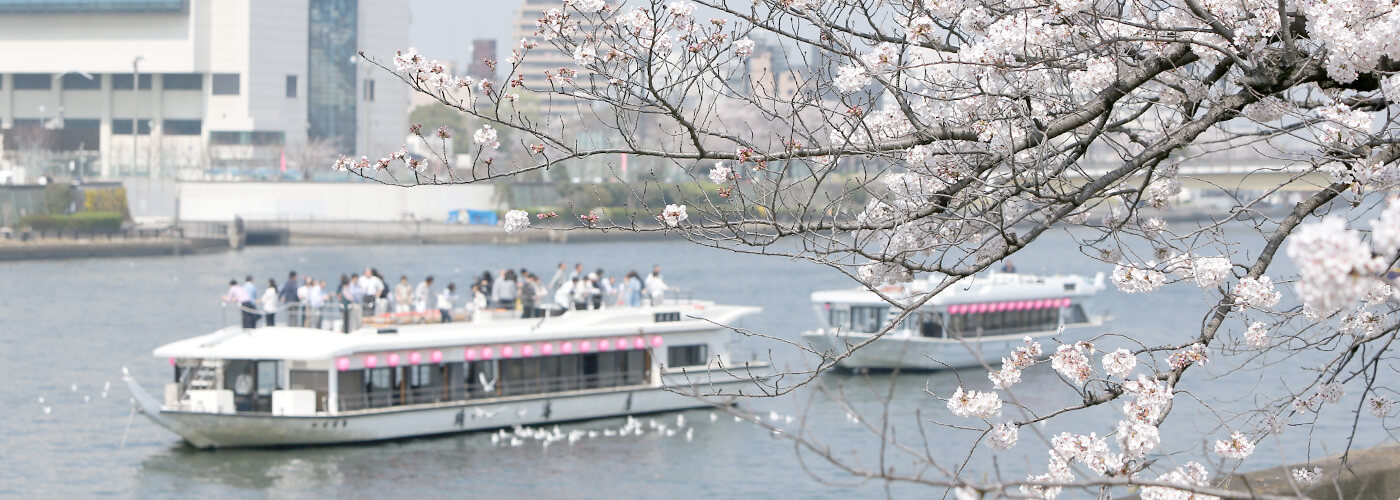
(269, 302)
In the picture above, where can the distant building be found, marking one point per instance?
(483, 49)
(219, 84)
(543, 58)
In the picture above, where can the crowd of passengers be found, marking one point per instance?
(306, 299)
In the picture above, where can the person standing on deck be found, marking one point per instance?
(316, 299)
(373, 287)
(289, 297)
(446, 301)
(403, 295)
(563, 297)
(527, 295)
(422, 294)
(583, 291)
(268, 302)
(251, 287)
(632, 288)
(561, 276)
(237, 294)
(656, 287)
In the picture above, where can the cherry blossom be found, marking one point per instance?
(584, 56)
(1070, 361)
(1307, 477)
(721, 173)
(1336, 267)
(1381, 406)
(1133, 280)
(1137, 438)
(743, 47)
(486, 137)
(1210, 271)
(516, 220)
(1192, 354)
(1004, 435)
(850, 79)
(1119, 363)
(590, 6)
(1258, 292)
(1238, 447)
(1330, 392)
(1385, 230)
(1257, 335)
(673, 215)
(1191, 474)
(974, 404)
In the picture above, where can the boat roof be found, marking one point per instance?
(991, 287)
(307, 344)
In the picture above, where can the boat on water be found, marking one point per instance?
(348, 378)
(977, 320)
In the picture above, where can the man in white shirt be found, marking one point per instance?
(373, 287)
(564, 296)
(316, 297)
(656, 288)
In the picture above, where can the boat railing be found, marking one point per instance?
(474, 391)
(678, 296)
(336, 316)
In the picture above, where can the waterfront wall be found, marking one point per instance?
(327, 201)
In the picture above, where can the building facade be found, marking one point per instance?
(190, 88)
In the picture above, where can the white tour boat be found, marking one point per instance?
(977, 320)
(357, 382)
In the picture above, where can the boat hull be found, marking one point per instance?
(211, 430)
(907, 352)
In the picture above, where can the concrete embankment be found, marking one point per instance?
(92, 248)
(1372, 473)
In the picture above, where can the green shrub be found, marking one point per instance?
(84, 221)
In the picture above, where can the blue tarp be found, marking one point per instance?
(480, 217)
(484, 217)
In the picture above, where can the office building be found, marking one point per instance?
(182, 88)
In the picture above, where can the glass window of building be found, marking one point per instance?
(33, 81)
(182, 81)
(331, 76)
(226, 83)
(291, 85)
(122, 126)
(181, 127)
(76, 81)
(122, 81)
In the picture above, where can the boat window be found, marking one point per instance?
(930, 324)
(1075, 314)
(269, 377)
(666, 316)
(1004, 322)
(867, 318)
(687, 355)
(840, 318)
(379, 387)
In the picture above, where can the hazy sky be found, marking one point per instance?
(444, 29)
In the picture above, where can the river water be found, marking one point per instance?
(68, 327)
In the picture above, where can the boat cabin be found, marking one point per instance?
(300, 371)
